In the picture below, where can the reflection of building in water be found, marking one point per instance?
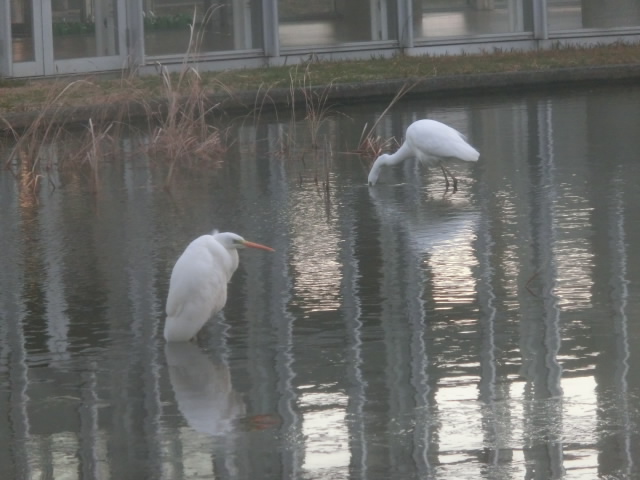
(541, 335)
(270, 321)
(69, 36)
(504, 309)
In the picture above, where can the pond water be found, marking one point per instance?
(398, 331)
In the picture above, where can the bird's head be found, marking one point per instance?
(234, 241)
(374, 173)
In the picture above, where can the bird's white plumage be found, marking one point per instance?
(430, 142)
(198, 284)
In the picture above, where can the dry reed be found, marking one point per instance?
(370, 145)
(181, 134)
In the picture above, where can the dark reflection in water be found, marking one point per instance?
(397, 331)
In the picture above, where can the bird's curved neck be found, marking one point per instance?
(232, 262)
(400, 155)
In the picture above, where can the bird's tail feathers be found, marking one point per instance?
(474, 156)
(467, 153)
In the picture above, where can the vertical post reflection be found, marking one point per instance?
(620, 295)
(540, 339)
(89, 430)
(419, 364)
(50, 220)
(16, 458)
(267, 314)
(404, 326)
(486, 298)
(281, 320)
(351, 312)
(142, 294)
(502, 197)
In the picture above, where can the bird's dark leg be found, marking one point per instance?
(444, 172)
(455, 182)
(453, 178)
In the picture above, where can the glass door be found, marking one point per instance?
(87, 35)
(26, 33)
(67, 36)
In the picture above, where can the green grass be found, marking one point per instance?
(31, 95)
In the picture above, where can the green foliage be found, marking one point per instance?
(151, 23)
(73, 28)
(167, 22)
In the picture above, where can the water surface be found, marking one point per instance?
(398, 331)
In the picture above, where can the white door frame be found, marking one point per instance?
(101, 63)
(44, 62)
(5, 39)
(22, 69)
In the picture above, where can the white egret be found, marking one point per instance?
(430, 142)
(198, 285)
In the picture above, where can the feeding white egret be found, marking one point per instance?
(198, 285)
(430, 142)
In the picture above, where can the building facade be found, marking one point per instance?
(57, 37)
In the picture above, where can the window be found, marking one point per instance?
(578, 14)
(331, 22)
(443, 18)
(219, 25)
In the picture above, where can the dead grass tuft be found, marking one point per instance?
(371, 146)
(181, 132)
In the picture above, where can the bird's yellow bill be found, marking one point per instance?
(257, 245)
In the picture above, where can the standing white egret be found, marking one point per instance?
(430, 142)
(198, 285)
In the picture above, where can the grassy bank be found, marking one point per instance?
(34, 95)
(70, 125)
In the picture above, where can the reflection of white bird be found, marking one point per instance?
(198, 285)
(430, 225)
(205, 395)
(430, 142)
(204, 392)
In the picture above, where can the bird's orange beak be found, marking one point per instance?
(257, 245)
